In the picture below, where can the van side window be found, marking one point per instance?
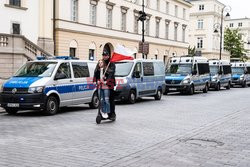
(248, 70)
(148, 68)
(203, 68)
(80, 69)
(227, 69)
(137, 67)
(65, 69)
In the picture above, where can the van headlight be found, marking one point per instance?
(214, 79)
(241, 77)
(38, 89)
(186, 81)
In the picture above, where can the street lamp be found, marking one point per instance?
(220, 25)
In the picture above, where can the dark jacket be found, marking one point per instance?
(109, 75)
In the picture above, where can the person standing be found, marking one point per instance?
(109, 80)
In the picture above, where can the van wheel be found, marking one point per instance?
(11, 111)
(205, 90)
(217, 88)
(191, 90)
(132, 97)
(228, 86)
(52, 106)
(158, 94)
(95, 101)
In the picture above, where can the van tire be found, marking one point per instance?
(158, 94)
(217, 88)
(191, 90)
(132, 97)
(95, 102)
(228, 86)
(52, 106)
(11, 111)
(205, 90)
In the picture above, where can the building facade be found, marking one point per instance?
(205, 17)
(84, 28)
(243, 24)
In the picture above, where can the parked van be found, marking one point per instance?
(187, 74)
(241, 73)
(50, 84)
(221, 74)
(139, 78)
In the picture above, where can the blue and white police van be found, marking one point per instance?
(139, 78)
(221, 74)
(241, 73)
(187, 74)
(48, 85)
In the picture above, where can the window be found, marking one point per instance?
(167, 30)
(136, 24)
(183, 33)
(74, 10)
(157, 29)
(200, 24)
(80, 69)
(203, 68)
(135, 55)
(64, 69)
(240, 24)
(147, 26)
(201, 7)
(167, 7)
(16, 28)
(248, 70)
(138, 68)
(231, 25)
(93, 5)
(175, 31)
(148, 4)
(227, 69)
(15, 2)
(156, 56)
(148, 68)
(176, 11)
(109, 18)
(91, 54)
(158, 5)
(184, 13)
(200, 42)
(124, 20)
(72, 52)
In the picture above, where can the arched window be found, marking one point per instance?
(92, 48)
(73, 48)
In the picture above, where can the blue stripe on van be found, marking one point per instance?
(61, 89)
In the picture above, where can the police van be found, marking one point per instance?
(50, 84)
(241, 73)
(220, 73)
(187, 74)
(139, 78)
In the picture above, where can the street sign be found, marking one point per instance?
(143, 47)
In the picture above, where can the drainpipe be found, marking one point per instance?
(54, 25)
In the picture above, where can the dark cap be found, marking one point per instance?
(105, 53)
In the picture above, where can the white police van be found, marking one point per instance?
(241, 73)
(187, 74)
(221, 74)
(50, 84)
(139, 78)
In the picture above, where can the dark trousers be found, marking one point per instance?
(112, 101)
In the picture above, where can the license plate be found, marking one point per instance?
(172, 88)
(12, 105)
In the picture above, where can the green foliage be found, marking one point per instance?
(191, 51)
(234, 44)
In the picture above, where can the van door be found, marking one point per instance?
(63, 83)
(82, 93)
(148, 79)
(195, 77)
(138, 80)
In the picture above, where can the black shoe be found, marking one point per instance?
(112, 116)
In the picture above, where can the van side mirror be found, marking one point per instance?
(60, 76)
(137, 74)
(194, 72)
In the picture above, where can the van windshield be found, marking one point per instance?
(36, 69)
(238, 70)
(182, 69)
(214, 70)
(123, 69)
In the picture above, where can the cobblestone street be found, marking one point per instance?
(201, 130)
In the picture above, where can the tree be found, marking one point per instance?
(234, 44)
(191, 51)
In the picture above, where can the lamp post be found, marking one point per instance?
(220, 25)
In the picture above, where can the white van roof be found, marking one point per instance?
(247, 64)
(188, 60)
(218, 62)
(238, 64)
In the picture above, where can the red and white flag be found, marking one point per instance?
(122, 53)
